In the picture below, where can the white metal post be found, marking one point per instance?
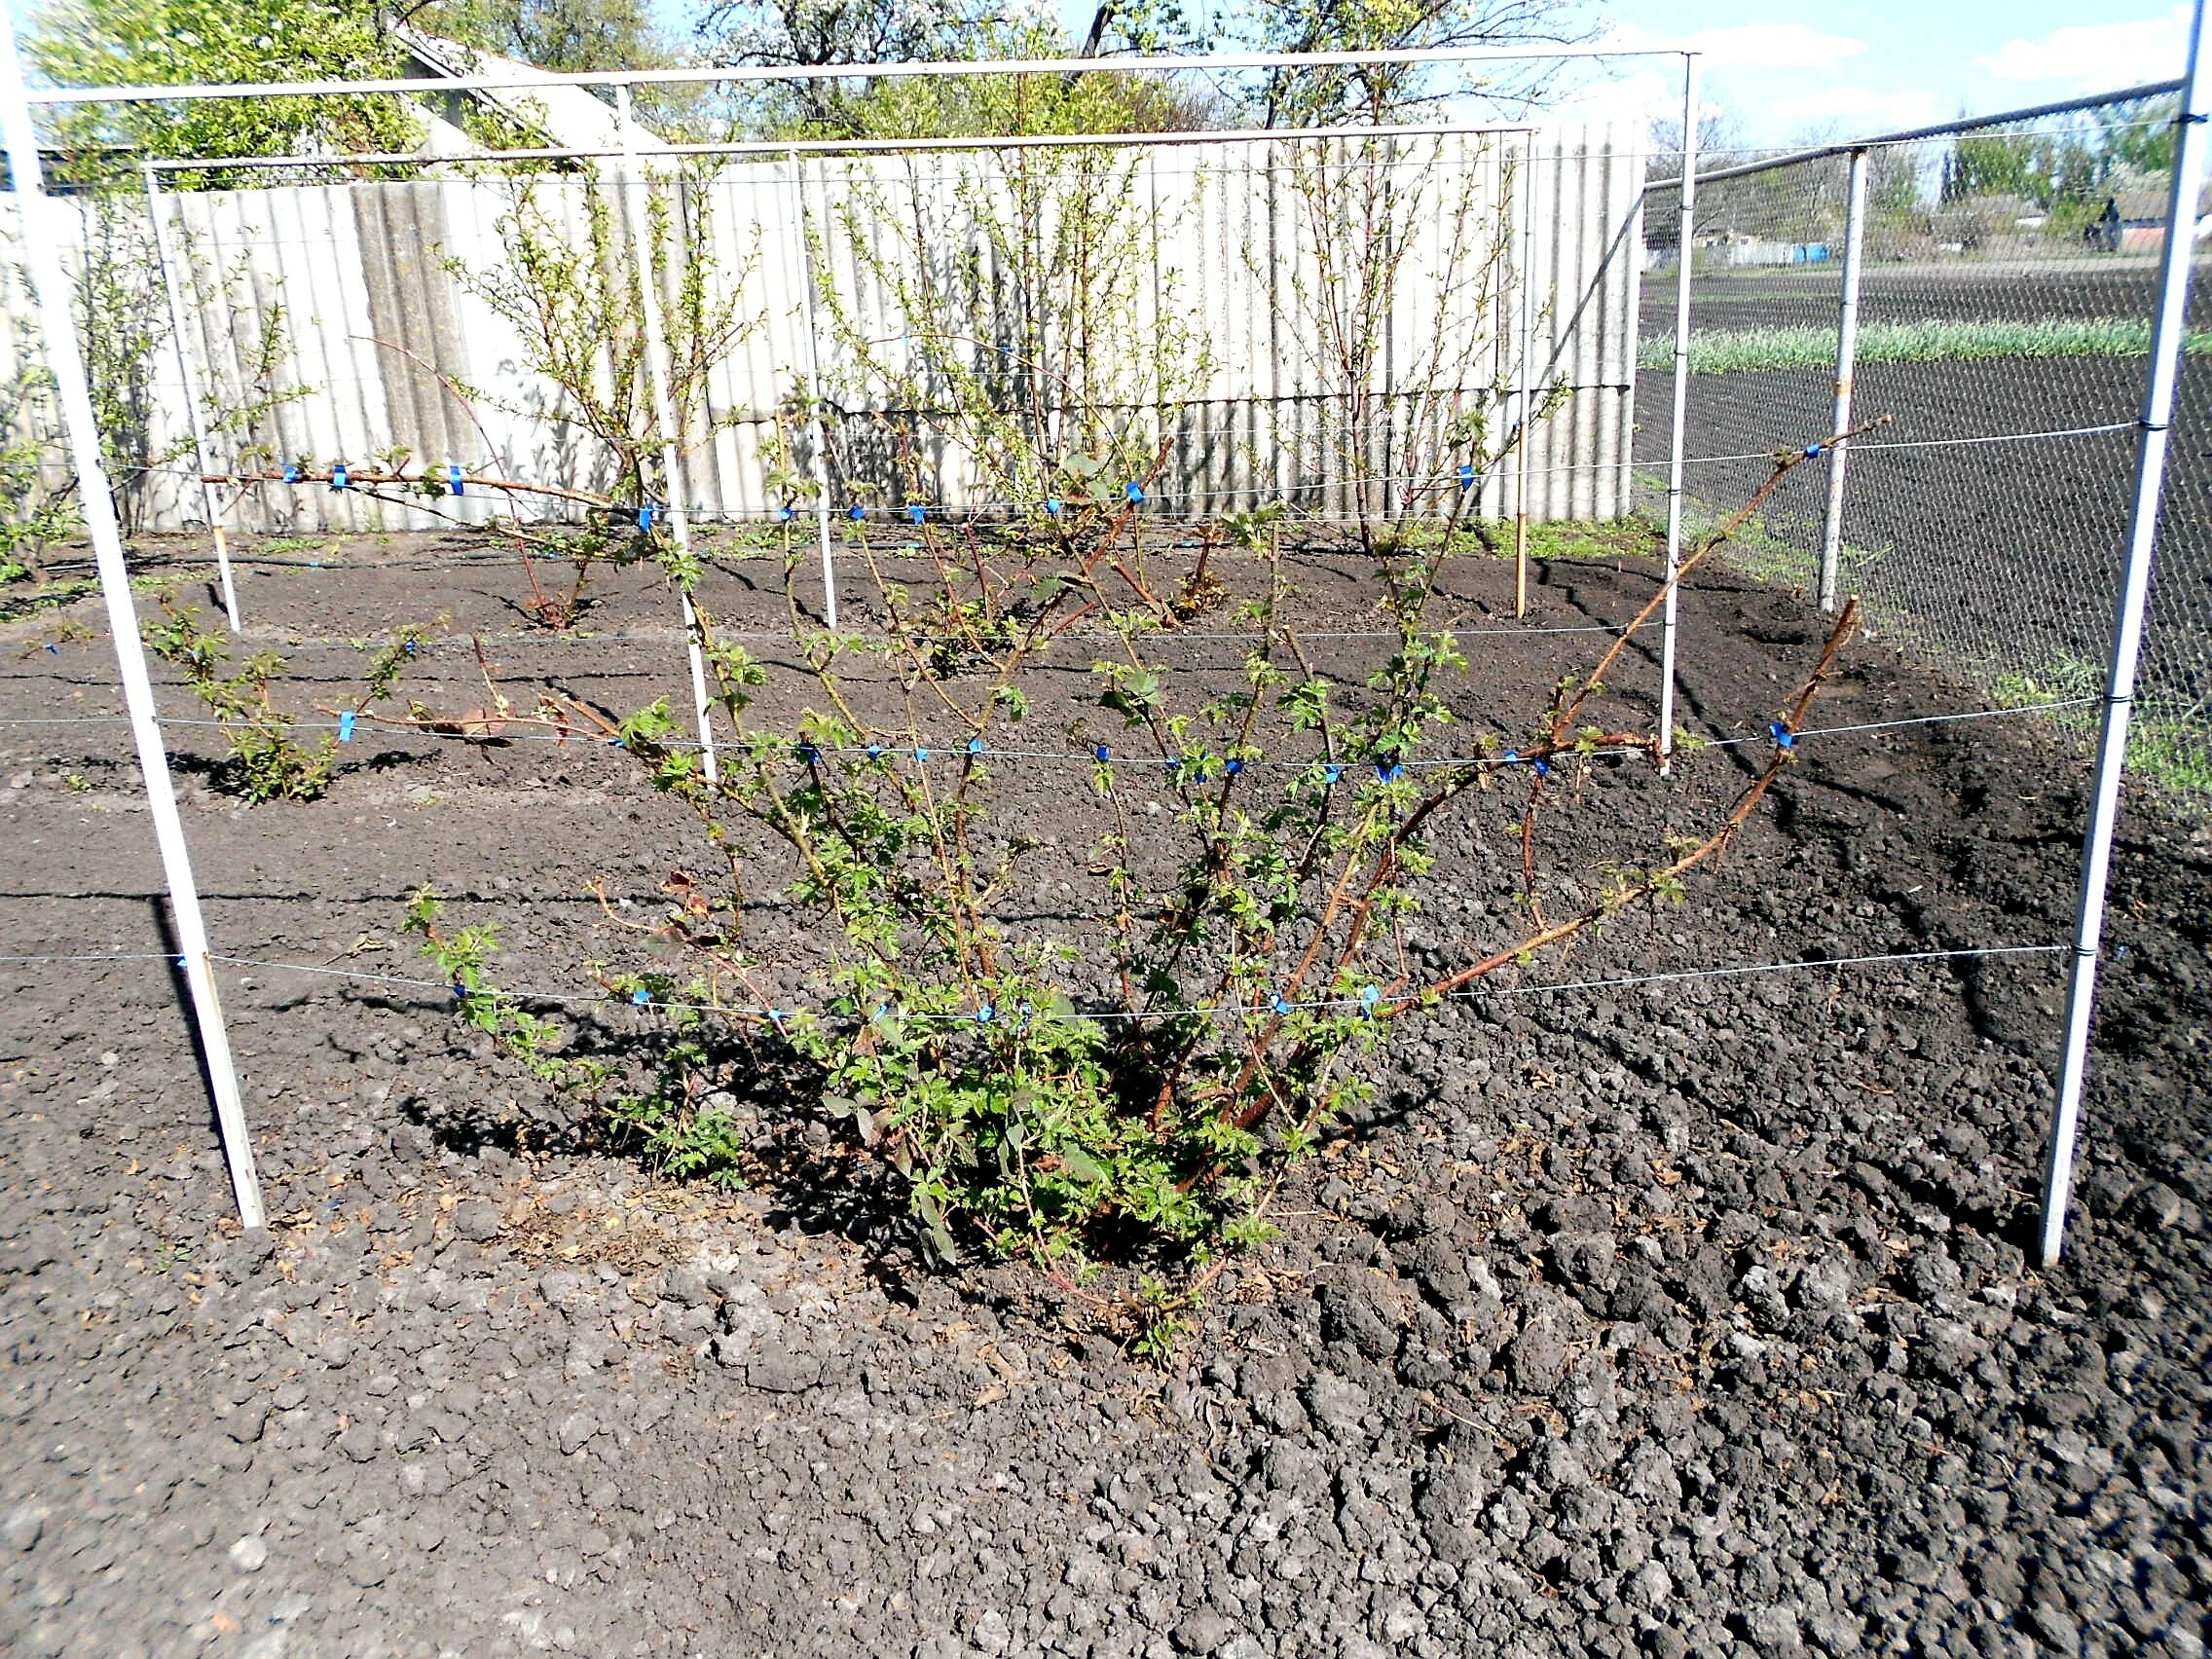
(635, 185)
(43, 235)
(2128, 636)
(1687, 257)
(1846, 369)
(821, 427)
(209, 492)
(1525, 415)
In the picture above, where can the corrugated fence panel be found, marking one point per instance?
(1206, 306)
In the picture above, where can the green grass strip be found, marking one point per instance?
(1931, 340)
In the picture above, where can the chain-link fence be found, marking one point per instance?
(2005, 293)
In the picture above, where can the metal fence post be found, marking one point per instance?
(634, 188)
(1687, 209)
(2128, 636)
(814, 383)
(49, 284)
(1845, 368)
(166, 260)
(1528, 350)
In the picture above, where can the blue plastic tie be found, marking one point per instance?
(1052, 505)
(809, 754)
(616, 743)
(921, 755)
(639, 998)
(407, 647)
(784, 513)
(1279, 1005)
(1133, 490)
(53, 647)
(917, 512)
(338, 476)
(645, 516)
(875, 752)
(1784, 737)
(453, 480)
(291, 474)
(1467, 478)
(1235, 766)
(984, 1014)
(458, 989)
(1336, 773)
(345, 726)
(1369, 997)
(856, 513)
(1513, 756)
(975, 746)
(1543, 769)
(1102, 751)
(1812, 449)
(1387, 771)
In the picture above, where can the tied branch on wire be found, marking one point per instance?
(1129, 1085)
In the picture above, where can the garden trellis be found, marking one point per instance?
(1504, 490)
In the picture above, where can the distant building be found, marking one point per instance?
(564, 118)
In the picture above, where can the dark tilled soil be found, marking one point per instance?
(2068, 285)
(1689, 1318)
(2001, 556)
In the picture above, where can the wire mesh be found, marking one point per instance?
(2007, 288)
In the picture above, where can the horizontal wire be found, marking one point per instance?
(1859, 448)
(776, 1014)
(455, 642)
(101, 956)
(1498, 470)
(957, 751)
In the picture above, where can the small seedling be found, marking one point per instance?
(273, 763)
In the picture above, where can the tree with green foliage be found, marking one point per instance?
(1317, 97)
(566, 36)
(817, 33)
(108, 43)
(2069, 164)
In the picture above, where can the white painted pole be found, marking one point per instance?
(820, 427)
(209, 495)
(635, 185)
(2128, 637)
(530, 79)
(1526, 413)
(43, 235)
(1846, 369)
(1687, 252)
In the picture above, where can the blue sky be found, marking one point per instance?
(1883, 64)
(1871, 67)
(1875, 66)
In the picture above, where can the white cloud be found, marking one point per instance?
(2096, 56)
(1637, 97)
(1856, 110)
(1646, 89)
(1748, 46)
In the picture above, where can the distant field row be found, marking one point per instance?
(1731, 351)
